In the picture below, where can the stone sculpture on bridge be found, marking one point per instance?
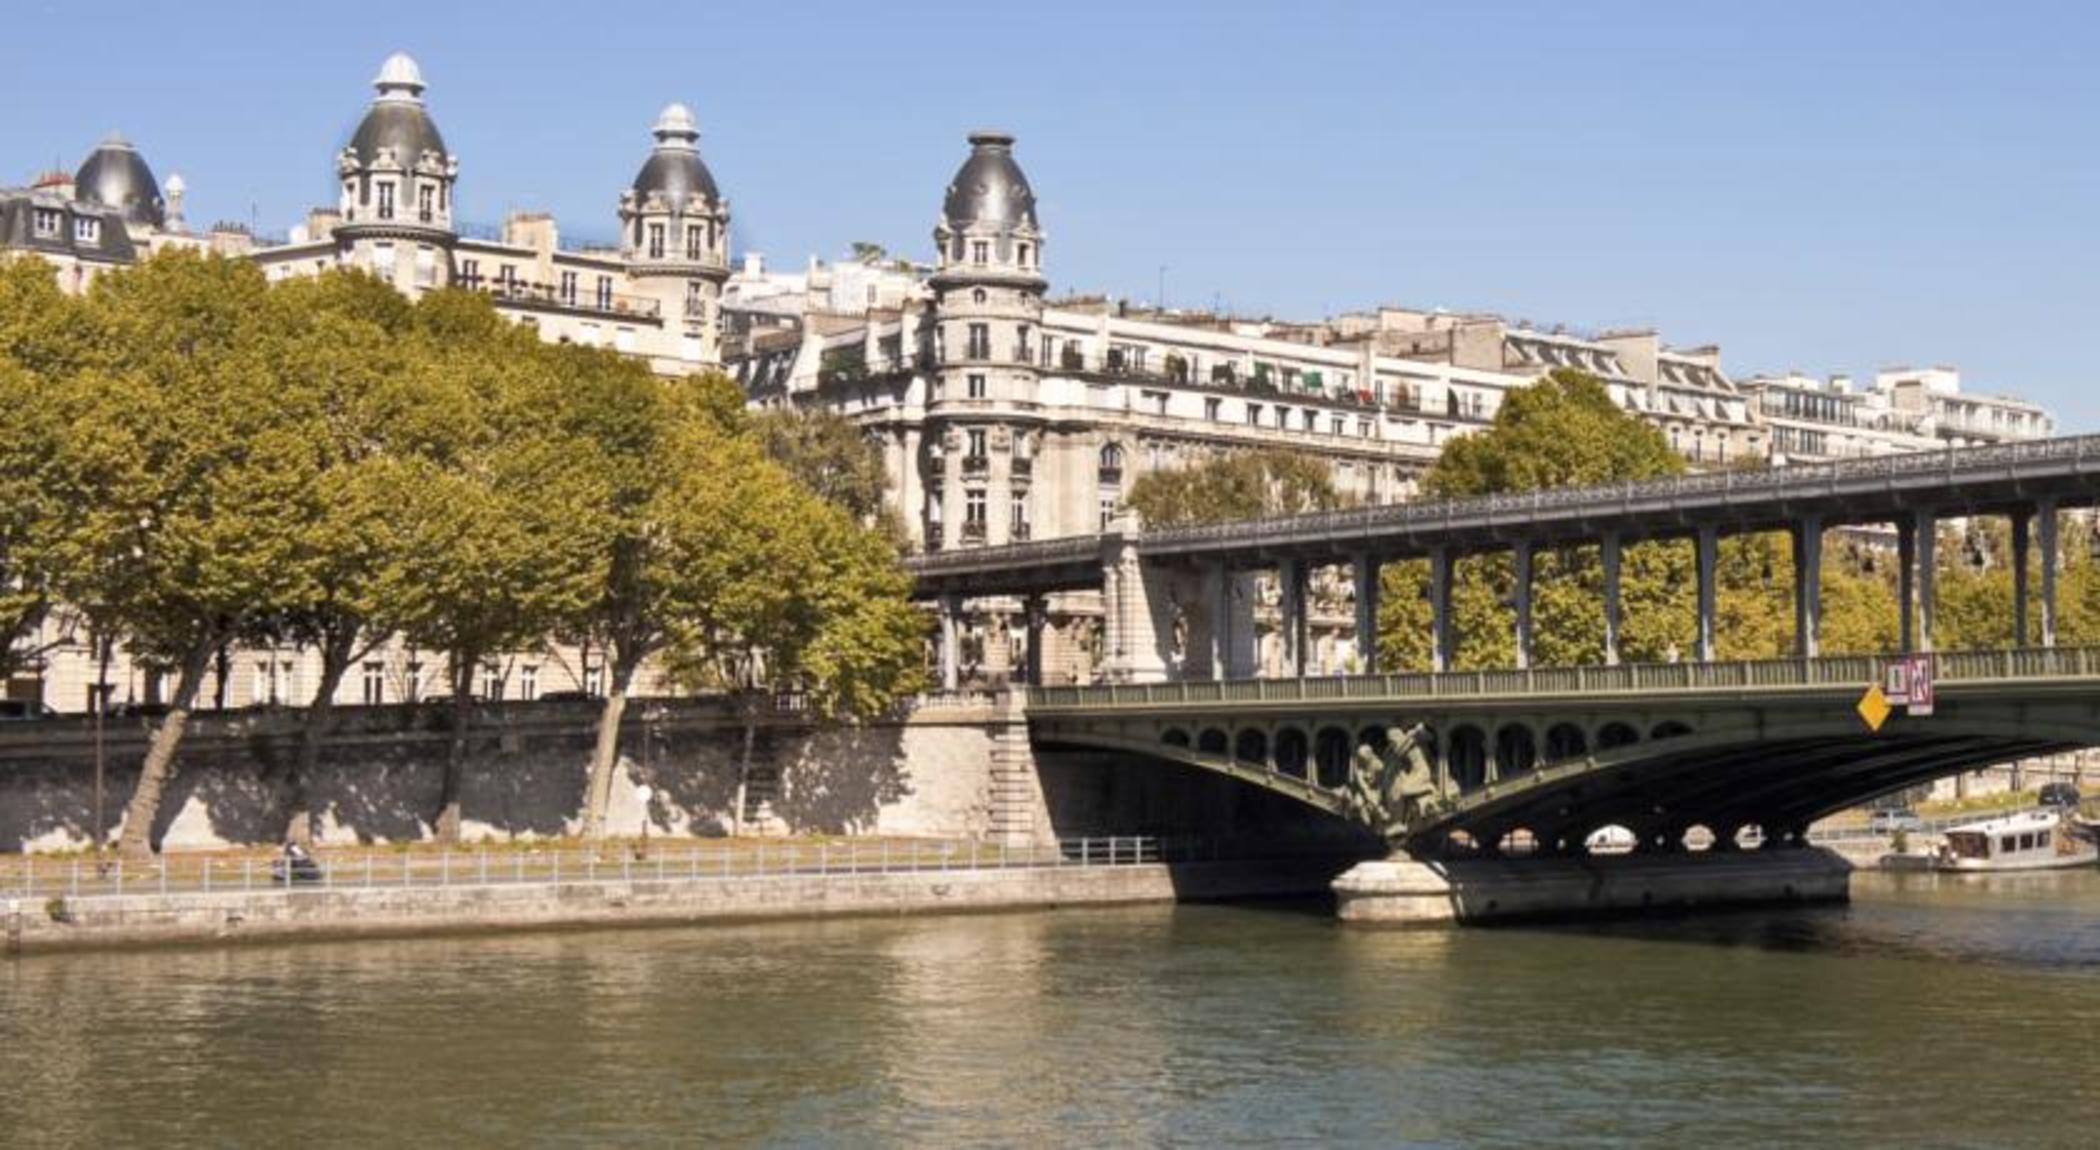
(1393, 787)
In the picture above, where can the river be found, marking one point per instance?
(1932, 1011)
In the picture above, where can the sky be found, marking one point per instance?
(1830, 188)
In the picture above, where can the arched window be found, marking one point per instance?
(977, 296)
(1112, 458)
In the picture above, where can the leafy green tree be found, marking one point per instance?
(1234, 485)
(495, 549)
(826, 453)
(184, 469)
(43, 338)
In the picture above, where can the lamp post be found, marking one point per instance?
(642, 795)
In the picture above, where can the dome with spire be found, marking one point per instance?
(674, 169)
(989, 188)
(397, 121)
(116, 176)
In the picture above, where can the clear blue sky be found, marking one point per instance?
(1829, 187)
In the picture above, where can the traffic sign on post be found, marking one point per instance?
(1920, 674)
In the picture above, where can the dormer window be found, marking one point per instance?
(980, 251)
(386, 199)
(426, 199)
(47, 222)
(656, 241)
(1024, 250)
(87, 230)
(695, 242)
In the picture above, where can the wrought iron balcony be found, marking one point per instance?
(976, 464)
(522, 293)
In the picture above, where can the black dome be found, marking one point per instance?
(116, 176)
(678, 175)
(989, 188)
(403, 125)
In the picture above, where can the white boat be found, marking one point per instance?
(2030, 840)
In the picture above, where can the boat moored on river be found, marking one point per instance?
(2030, 840)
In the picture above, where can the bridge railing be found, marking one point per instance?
(1834, 670)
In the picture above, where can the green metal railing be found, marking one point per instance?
(1952, 667)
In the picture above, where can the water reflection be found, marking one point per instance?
(1190, 1026)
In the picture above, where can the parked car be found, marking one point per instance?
(24, 710)
(1897, 819)
(2062, 796)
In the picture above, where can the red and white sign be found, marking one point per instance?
(1920, 684)
(1906, 681)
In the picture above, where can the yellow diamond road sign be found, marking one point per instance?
(1874, 707)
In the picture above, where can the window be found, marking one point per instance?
(1155, 402)
(1213, 409)
(383, 260)
(1025, 253)
(1108, 511)
(414, 688)
(426, 196)
(47, 221)
(568, 287)
(656, 241)
(528, 682)
(1312, 420)
(87, 229)
(604, 293)
(976, 443)
(1111, 462)
(386, 199)
(491, 682)
(470, 273)
(593, 680)
(695, 242)
(426, 266)
(1022, 353)
(1363, 428)
(980, 252)
(978, 296)
(1254, 415)
(976, 389)
(1283, 417)
(375, 684)
(1020, 515)
(973, 508)
(980, 341)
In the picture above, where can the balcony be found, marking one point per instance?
(521, 293)
(1022, 467)
(1020, 532)
(936, 466)
(973, 531)
(976, 464)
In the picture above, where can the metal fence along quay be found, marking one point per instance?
(1951, 668)
(30, 877)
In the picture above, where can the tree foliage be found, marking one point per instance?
(1234, 485)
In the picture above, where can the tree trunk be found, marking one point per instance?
(456, 754)
(143, 811)
(335, 663)
(605, 756)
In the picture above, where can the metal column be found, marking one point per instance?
(2045, 515)
(1808, 585)
(1439, 609)
(1366, 569)
(1906, 586)
(2021, 522)
(1521, 594)
(1220, 577)
(1928, 540)
(1035, 613)
(1608, 552)
(1705, 553)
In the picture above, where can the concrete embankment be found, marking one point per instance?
(32, 925)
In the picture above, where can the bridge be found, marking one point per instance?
(1543, 757)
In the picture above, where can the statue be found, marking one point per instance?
(1392, 788)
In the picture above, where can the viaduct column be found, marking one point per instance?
(1808, 585)
(1439, 609)
(1036, 614)
(1927, 531)
(1218, 589)
(1290, 573)
(2045, 514)
(951, 641)
(1522, 594)
(1608, 553)
(2021, 522)
(1705, 549)
(1906, 586)
(1366, 569)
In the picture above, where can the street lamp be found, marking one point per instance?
(642, 795)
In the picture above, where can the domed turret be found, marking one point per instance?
(116, 176)
(674, 169)
(990, 188)
(397, 127)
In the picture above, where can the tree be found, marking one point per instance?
(42, 340)
(1236, 485)
(827, 454)
(495, 548)
(353, 374)
(185, 472)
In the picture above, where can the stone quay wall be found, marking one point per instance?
(932, 772)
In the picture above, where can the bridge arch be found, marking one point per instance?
(1175, 737)
(1214, 741)
(1615, 734)
(1251, 745)
(1565, 740)
(1293, 753)
(1516, 750)
(1468, 757)
(1332, 750)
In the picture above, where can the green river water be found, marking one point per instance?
(1932, 1011)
